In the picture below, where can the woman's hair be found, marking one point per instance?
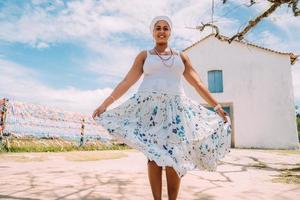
(159, 18)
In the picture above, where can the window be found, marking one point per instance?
(215, 81)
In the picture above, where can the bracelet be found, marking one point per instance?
(112, 97)
(217, 107)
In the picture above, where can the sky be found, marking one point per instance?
(72, 54)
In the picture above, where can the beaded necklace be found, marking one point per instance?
(164, 60)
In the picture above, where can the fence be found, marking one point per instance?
(3, 110)
(23, 119)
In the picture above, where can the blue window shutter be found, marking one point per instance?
(215, 81)
(211, 81)
(219, 81)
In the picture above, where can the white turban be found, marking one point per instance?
(159, 18)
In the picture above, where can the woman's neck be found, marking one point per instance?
(161, 48)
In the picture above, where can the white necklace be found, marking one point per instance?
(164, 60)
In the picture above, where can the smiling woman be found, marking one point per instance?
(170, 129)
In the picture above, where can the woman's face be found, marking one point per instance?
(161, 32)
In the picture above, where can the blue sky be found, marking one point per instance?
(71, 54)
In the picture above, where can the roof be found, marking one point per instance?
(293, 57)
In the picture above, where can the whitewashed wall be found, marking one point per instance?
(258, 83)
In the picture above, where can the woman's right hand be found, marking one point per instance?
(222, 114)
(101, 109)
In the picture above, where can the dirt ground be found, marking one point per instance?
(109, 175)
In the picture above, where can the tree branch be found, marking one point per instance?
(254, 22)
(201, 28)
(296, 10)
(270, 10)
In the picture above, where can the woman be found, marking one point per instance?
(159, 120)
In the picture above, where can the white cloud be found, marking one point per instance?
(268, 39)
(88, 20)
(99, 25)
(22, 84)
(285, 20)
(42, 45)
(79, 20)
(114, 59)
(99, 20)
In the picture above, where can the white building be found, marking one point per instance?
(254, 85)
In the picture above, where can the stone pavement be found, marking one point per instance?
(242, 174)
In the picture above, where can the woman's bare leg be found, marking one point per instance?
(155, 178)
(173, 183)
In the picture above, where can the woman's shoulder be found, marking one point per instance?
(183, 56)
(142, 54)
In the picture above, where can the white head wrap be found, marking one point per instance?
(159, 18)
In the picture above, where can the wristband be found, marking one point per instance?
(217, 107)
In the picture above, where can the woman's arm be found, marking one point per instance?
(132, 76)
(192, 77)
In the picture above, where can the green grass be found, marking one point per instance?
(54, 145)
(287, 177)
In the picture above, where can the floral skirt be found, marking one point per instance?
(173, 130)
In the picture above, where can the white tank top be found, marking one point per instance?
(160, 78)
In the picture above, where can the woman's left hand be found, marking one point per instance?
(222, 113)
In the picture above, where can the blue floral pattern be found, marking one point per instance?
(171, 129)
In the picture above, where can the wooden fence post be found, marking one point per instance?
(3, 104)
(82, 132)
